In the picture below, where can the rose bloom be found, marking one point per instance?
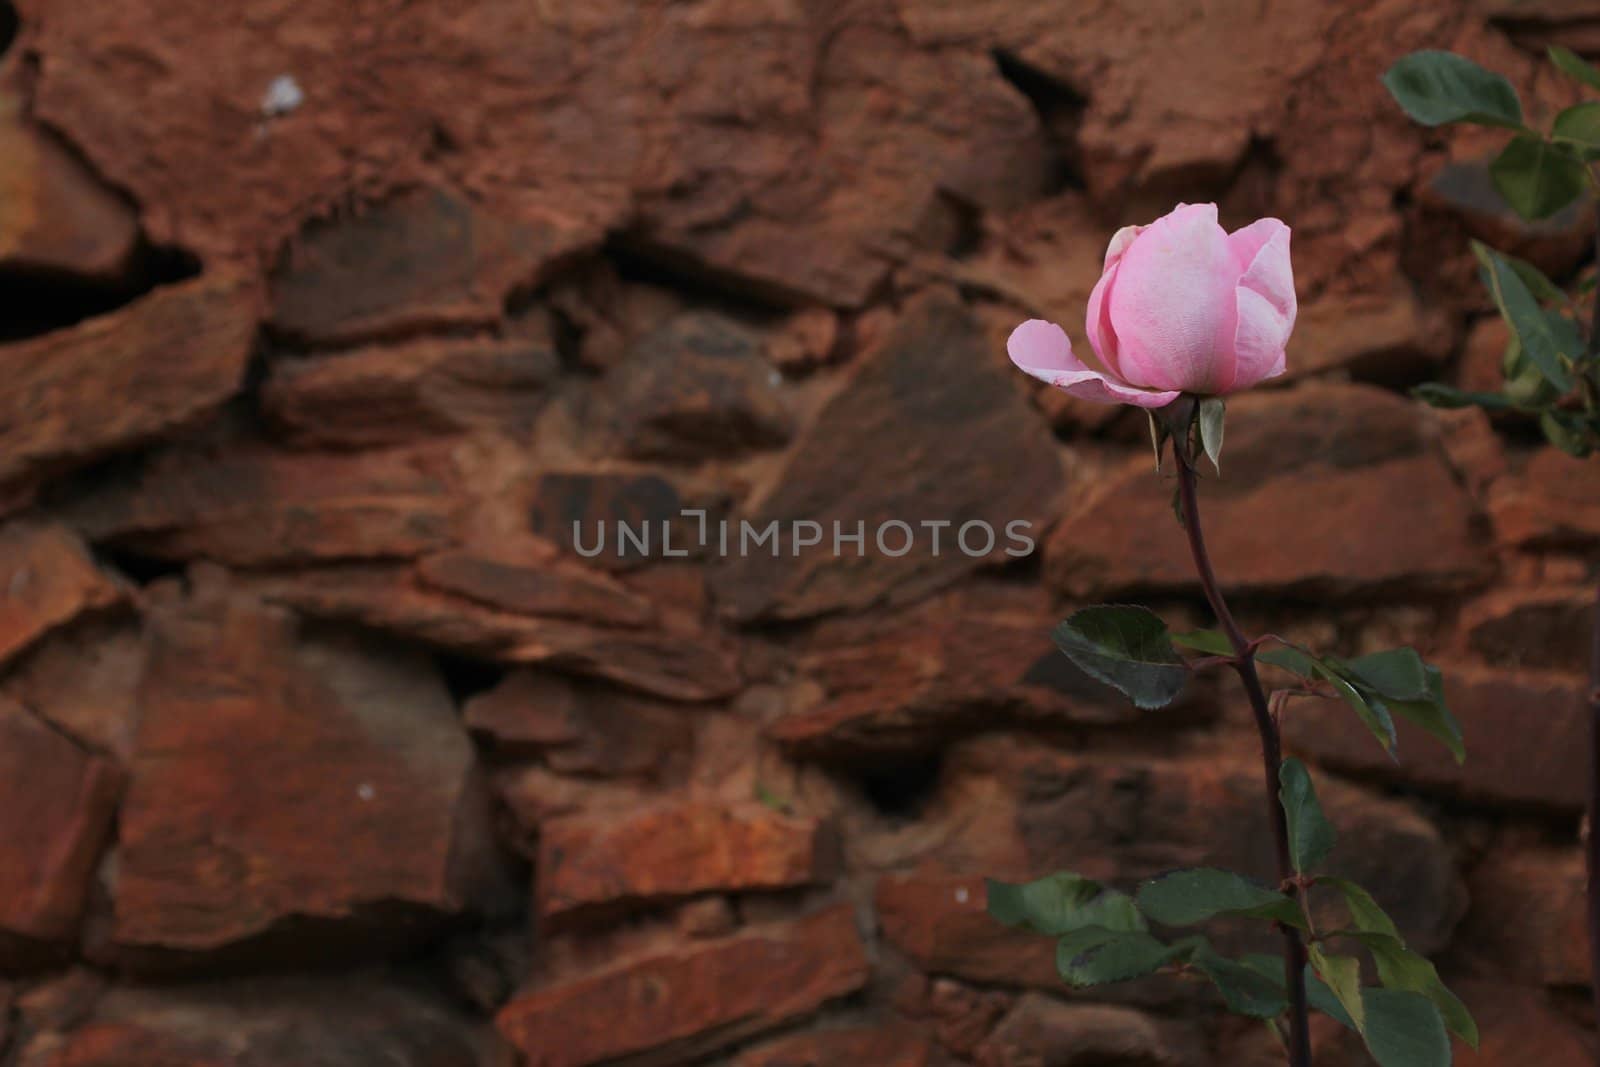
(1182, 307)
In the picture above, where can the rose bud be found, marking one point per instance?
(1182, 307)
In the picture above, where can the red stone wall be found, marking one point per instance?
(322, 743)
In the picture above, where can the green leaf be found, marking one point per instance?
(1244, 989)
(1566, 430)
(1571, 64)
(1439, 87)
(1433, 714)
(1395, 674)
(1374, 716)
(1293, 660)
(1318, 995)
(1403, 1029)
(1401, 968)
(1212, 409)
(1365, 913)
(1188, 897)
(1045, 906)
(1543, 289)
(1579, 125)
(1211, 642)
(1094, 955)
(1541, 344)
(1311, 835)
(1538, 178)
(1438, 395)
(1343, 976)
(1126, 647)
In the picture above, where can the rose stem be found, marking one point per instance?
(1244, 661)
(1592, 851)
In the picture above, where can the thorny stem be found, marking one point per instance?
(1244, 662)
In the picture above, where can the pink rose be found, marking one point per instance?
(1182, 307)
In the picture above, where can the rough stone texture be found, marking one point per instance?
(1328, 490)
(258, 507)
(575, 728)
(369, 303)
(263, 1023)
(394, 394)
(957, 665)
(702, 997)
(886, 1047)
(675, 850)
(1529, 916)
(57, 218)
(56, 805)
(699, 387)
(1042, 1030)
(48, 579)
(122, 379)
(272, 778)
(927, 428)
(1553, 502)
(1525, 735)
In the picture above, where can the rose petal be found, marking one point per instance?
(1042, 349)
(1097, 321)
(1266, 302)
(1258, 340)
(1119, 244)
(1173, 307)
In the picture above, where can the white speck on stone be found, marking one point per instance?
(282, 96)
(775, 379)
(365, 791)
(962, 895)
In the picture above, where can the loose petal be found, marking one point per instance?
(1173, 306)
(1043, 350)
(1258, 340)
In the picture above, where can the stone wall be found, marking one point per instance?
(322, 741)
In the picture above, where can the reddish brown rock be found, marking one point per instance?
(1044, 1030)
(422, 259)
(1524, 735)
(806, 340)
(1375, 507)
(264, 1023)
(251, 506)
(940, 922)
(693, 1000)
(83, 680)
(1520, 1026)
(1545, 627)
(1390, 337)
(48, 580)
(555, 590)
(56, 807)
(273, 776)
(930, 429)
(581, 511)
(1529, 915)
(122, 379)
(691, 665)
(396, 394)
(1120, 817)
(676, 849)
(958, 664)
(56, 218)
(1550, 501)
(697, 388)
(877, 1047)
(581, 729)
